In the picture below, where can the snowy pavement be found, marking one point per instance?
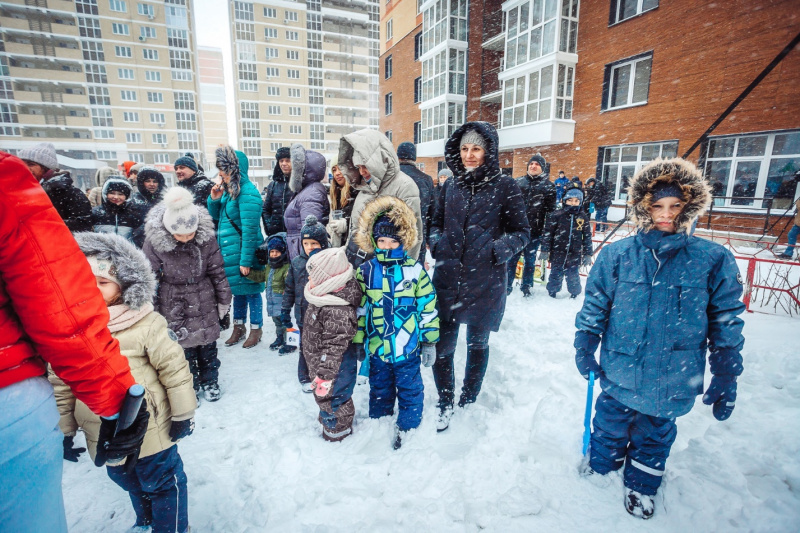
(256, 461)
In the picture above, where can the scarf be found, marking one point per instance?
(122, 317)
(320, 295)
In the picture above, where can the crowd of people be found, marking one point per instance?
(175, 267)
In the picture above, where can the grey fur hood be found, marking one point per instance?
(136, 278)
(308, 167)
(696, 192)
(163, 241)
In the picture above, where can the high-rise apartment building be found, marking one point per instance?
(213, 105)
(305, 72)
(103, 80)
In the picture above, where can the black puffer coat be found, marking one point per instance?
(567, 237)
(277, 198)
(199, 186)
(539, 195)
(72, 205)
(427, 201)
(479, 225)
(597, 195)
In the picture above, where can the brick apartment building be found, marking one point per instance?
(602, 87)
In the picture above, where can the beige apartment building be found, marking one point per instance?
(305, 72)
(104, 80)
(213, 106)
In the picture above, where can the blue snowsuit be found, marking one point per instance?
(659, 301)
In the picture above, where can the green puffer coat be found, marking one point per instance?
(242, 212)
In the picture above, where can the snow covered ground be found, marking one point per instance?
(256, 461)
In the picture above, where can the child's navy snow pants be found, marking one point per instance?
(557, 274)
(401, 381)
(157, 488)
(641, 442)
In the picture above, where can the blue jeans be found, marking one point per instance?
(641, 442)
(601, 215)
(793, 233)
(31, 458)
(556, 279)
(157, 488)
(530, 264)
(256, 305)
(401, 381)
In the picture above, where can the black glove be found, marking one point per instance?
(71, 453)
(286, 319)
(115, 448)
(225, 322)
(181, 429)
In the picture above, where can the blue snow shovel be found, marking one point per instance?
(587, 417)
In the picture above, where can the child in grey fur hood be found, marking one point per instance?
(193, 293)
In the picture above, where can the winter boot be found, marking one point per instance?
(398, 438)
(237, 335)
(639, 505)
(477, 361)
(254, 337)
(286, 348)
(526, 291)
(277, 343)
(443, 418)
(552, 294)
(211, 392)
(307, 387)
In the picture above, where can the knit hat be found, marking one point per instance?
(283, 152)
(43, 153)
(446, 172)
(127, 166)
(116, 184)
(187, 160)
(539, 158)
(473, 137)
(276, 243)
(180, 213)
(327, 264)
(666, 189)
(407, 151)
(312, 229)
(384, 227)
(103, 268)
(573, 192)
(136, 168)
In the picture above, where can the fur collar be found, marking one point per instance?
(400, 214)
(163, 241)
(308, 167)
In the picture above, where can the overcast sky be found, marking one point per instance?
(213, 29)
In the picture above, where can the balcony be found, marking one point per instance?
(497, 43)
(542, 133)
(495, 97)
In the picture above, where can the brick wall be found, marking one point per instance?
(404, 70)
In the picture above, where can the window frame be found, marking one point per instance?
(387, 67)
(388, 104)
(616, 189)
(614, 8)
(609, 77)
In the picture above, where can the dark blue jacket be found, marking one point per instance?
(659, 301)
(567, 238)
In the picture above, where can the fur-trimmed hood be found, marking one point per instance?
(137, 281)
(489, 170)
(120, 181)
(103, 174)
(696, 192)
(398, 212)
(149, 173)
(162, 240)
(308, 167)
(372, 149)
(237, 165)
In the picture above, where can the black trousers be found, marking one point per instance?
(204, 363)
(477, 361)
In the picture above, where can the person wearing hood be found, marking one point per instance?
(342, 196)
(278, 193)
(655, 303)
(539, 195)
(597, 194)
(150, 188)
(567, 243)
(71, 204)
(310, 195)
(190, 176)
(272, 254)
(479, 225)
(368, 161)
(443, 175)
(407, 156)
(116, 214)
(236, 206)
(133, 174)
(100, 177)
(193, 292)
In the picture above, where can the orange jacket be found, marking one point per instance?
(50, 308)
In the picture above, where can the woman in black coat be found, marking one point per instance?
(278, 194)
(479, 224)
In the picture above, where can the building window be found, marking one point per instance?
(150, 54)
(294, 93)
(627, 82)
(418, 90)
(186, 120)
(389, 29)
(747, 167)
(275, 128)
(531, 30)
(270, 13)
(123, 51)
(162, 159)
(292, 55)
(245, 31)
(417, 132)
(152, 75)
(93, 51)
(273, 91)
(176, 16)
(251, 129)
(147, 10)
(274, 110)
(249, 110)
(243, 11)
(417, 46)
(389, 135)
(295, 111)
(99, 95)
(273, 147)
(180, 61)
(293, 74)
(252, 150)
(136, 157)
(564, 86)
(120, 6)
(159, 138)
(184, 101)
(188, 141)
(130, 116)
(271, 53)
(101, 118)
(248, 72)
(387, 67)
(90, 27)
(620, 163)
(273, 72)
(128, 96)
(106, 155)
(292, 35)
(247, 52)
(103, 134)
(295, 130)
(270, 33)
(441, 120)
(290, 16)
(118, 28)
(146, 32)
(569, 27)
(446, 72)
(158, 118)
(155, 97)
(625, 9)
(177, 38)
(387, 102)
(133, 137)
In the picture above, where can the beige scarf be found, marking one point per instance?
(123, 317)
(321, 296)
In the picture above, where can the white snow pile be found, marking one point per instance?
(256, 461)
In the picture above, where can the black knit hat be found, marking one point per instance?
(283, 153)
(312, 229)
(407, 151)
(384, 227)
(117, 185)
(539, 158)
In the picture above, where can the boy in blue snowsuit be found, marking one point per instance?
(398, 321)
(655, 303)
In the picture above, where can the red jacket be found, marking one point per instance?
(50, 307)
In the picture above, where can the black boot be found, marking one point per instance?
(477, 361)
(445, 379)
(277, 343)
